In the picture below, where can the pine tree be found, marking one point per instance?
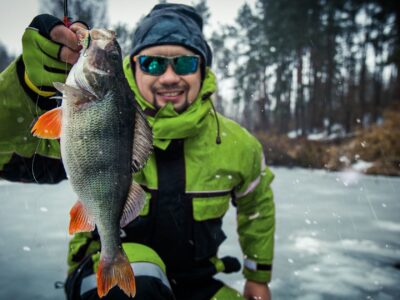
(203, 10)
(93, 12)
(5, 57)
(124, 37)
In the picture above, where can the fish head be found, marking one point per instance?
(100, 59)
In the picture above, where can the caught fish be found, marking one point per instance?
(104, 138)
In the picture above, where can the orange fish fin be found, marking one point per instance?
(133, 205)
(115, 271)
(48, 126)
(80, 220)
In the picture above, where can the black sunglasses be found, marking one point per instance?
(157, 65)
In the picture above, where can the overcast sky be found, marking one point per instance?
(15, 15)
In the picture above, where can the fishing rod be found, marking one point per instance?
(67, 19)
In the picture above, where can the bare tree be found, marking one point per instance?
(93, 12)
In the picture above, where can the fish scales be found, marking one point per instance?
(100, 124)
(99, 166)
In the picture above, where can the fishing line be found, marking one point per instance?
(39, 140)
(33, 161)
(67, 23)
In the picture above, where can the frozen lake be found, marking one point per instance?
(338, 237)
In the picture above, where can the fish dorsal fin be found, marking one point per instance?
(70, 93)
(133, 205)
(48, 126)
(142, 141)
(80, 220)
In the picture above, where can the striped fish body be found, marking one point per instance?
(96, 147)
(104, 138)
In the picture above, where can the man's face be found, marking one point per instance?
(180, 90)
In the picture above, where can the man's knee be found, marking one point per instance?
(227, 293)
(147, 287)
(149, 270)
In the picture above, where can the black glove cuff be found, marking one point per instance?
(43, 102)
(84, 23)
(231, 264)
(45, 23)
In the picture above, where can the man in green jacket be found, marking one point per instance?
(202, 161)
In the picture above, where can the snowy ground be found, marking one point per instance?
(337, 237)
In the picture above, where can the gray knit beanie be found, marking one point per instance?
(172, 24)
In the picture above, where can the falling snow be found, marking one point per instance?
(333, 241)
(333, 230)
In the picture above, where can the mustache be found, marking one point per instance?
(169, 87)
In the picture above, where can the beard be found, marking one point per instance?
(179, 108)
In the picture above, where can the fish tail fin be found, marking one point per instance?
(115, 271)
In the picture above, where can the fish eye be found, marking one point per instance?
(114, 55)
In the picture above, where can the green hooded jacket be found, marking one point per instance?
(17, 112)
(215, 174)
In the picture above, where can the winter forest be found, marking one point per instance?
(318, 83)
(293, 72)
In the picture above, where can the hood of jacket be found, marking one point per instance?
(167, 124)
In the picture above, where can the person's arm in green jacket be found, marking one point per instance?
(256, 225)
(49, 49)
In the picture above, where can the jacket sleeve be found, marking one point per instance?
(256, 218)
(25, 158)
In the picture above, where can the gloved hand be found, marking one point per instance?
(48, 50)
(231, 264)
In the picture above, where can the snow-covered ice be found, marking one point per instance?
(337, 237)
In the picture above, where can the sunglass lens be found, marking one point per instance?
(186, 65)
(152, 65)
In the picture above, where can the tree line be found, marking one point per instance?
(312, 65)
(5, 57)
(300, 66)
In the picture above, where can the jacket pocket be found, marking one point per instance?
(210, 208)
(207, 225)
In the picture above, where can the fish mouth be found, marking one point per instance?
(86, 36)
